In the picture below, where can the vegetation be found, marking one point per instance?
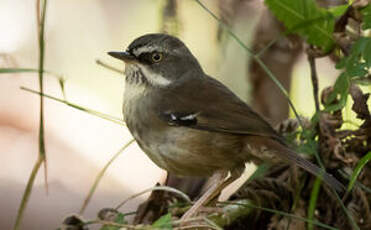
(279, 196)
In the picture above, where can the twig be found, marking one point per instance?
(156, 188)
(313, 71)
(110, 223)
(198, 226)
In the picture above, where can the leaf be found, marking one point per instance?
(259, 172)
(164, 222)
(361, 163)
(120, 219)
(366, 13)
(367, 52)
(337, 11)
(356, 69)
(359, 60)
(310, 145)
(341, 89)
(305, 18)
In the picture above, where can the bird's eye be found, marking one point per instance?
(156, 57)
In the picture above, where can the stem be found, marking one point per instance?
(41, 156)
(313, 71)
(27, 193)
(42, 152)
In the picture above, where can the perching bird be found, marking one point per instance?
(190, 124)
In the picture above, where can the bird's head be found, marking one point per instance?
(157, 60)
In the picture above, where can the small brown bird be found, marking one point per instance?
(191, 124)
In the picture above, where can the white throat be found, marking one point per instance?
(154, 79)
(138, 73)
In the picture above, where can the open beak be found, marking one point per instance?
(124, 56)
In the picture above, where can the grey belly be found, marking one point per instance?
(191, 152)
(182, 150)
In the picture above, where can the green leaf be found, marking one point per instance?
(305, 18)
(362, 162)
(310, 144)
(164, 222)
(341, 89)
(366, 81)
(366, 13)
(359, 60)
(120, 219)
(337, 11)
(259, 172)
(356, 69)
(367, 53)
(308, 148)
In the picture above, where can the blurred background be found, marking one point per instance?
(78, 144)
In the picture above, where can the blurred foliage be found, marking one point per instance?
(164, 222)
(366, 13)
(305, 18)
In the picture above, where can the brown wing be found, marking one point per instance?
(209, 105)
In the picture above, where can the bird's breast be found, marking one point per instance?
(181, 150)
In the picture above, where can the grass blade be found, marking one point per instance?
(42, 155)
(60, 79)
(361, 163)
(28, 70)
(100, 175)
(18, 70)
(27, 193)
(278, 212)
(350, 218)
(41, 27)
(75, 106)
(313, 201)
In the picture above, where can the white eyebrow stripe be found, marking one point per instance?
(146, 49)
(154, 78)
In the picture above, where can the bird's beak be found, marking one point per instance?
(124, 56)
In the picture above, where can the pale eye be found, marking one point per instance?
(156, 57)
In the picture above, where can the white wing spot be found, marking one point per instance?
(173, 117)
(189, 117)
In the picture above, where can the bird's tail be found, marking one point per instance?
(292, 156)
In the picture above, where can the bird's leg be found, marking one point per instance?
(213, 191)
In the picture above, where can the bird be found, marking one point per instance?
(190, 124)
